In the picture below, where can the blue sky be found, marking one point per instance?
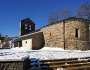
(12, 11)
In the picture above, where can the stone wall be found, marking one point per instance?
(13, 64)
(67, 34)
(77, 42)
(53, 35)
(37, 41)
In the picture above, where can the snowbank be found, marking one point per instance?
(42, 54)
(20, 48)
(54, 49)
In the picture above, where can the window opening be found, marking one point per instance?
(25, 26)
(50, 34)
(29, 27)
(76, 33)
(26, 42)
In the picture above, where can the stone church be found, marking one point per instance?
(71, 33)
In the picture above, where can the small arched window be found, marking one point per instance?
(29, 27)
(25, 26)
(76, 33)
(50, 34)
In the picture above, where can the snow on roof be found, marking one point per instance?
(42, 54)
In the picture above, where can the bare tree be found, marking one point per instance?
(64, 13)
(84, 10)
(58, 15)
(53, 17)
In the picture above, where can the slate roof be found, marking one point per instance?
(28, 20)
(70, 18)
(26, 37)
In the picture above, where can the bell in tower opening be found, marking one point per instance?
(26, 26)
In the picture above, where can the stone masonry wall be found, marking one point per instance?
(55, 36)
(13, 65)
(37, 41)
(80, 42)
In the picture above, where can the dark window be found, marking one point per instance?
(76, 33)
(26, 42)
(50, 34)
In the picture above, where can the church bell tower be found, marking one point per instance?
(26, 26)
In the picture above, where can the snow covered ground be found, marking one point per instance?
(42, 54)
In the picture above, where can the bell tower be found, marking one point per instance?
(26, 26)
